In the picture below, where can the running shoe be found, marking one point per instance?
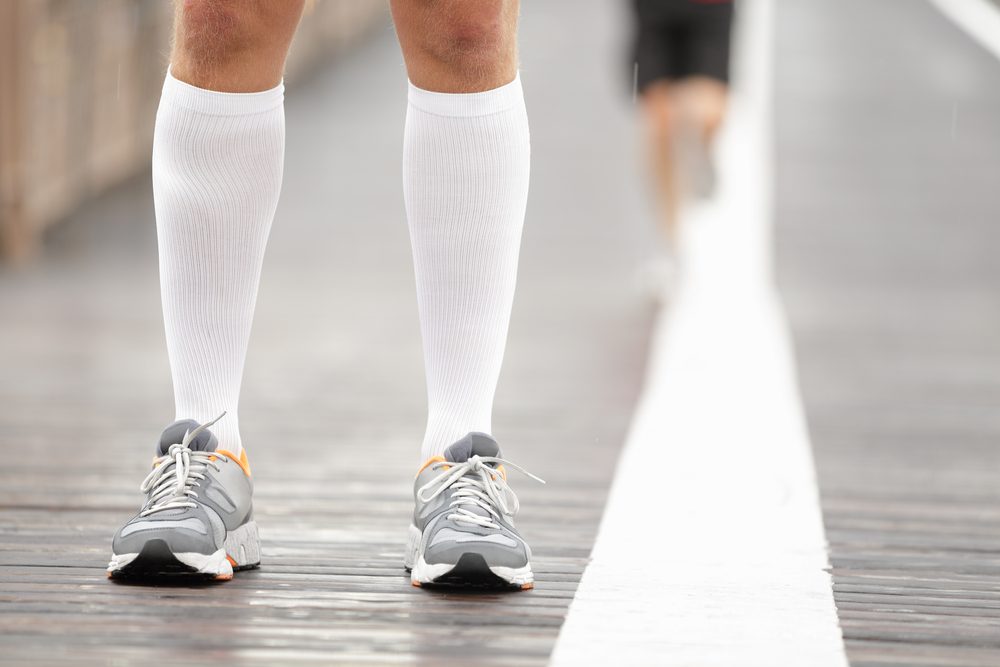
(463, 526)
(198, 516)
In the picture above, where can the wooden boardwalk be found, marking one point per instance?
(888, 162)
(334, 397)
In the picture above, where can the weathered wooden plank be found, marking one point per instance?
(883, 232)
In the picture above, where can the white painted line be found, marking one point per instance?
(979, 18)
(711, 550)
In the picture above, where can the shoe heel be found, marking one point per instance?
(243, 546)
(412, 547)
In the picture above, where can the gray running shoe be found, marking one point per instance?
(463, 525)
(198, 515)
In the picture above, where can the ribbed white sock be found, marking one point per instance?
(217, 164)
(465, 184)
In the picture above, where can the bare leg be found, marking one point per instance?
(218, 149)
(217, 165)
(465, 183)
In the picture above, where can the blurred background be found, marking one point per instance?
(79, 87)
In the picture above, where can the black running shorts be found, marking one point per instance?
(675, 39)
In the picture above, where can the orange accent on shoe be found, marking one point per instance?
(241, 459)
(433, 459)
(527, 587)
(416, 584)
(502, 471)
(223, 577)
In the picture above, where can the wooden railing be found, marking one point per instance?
(79, 85)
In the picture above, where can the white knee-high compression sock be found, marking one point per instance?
(465, 184)
(217, 165)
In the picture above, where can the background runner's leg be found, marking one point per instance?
(658, 105)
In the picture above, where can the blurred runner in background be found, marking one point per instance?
(681, 70)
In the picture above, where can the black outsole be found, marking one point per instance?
(157, 564)
(472, 572)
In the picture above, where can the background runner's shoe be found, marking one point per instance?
(198, 514)
(463, 524)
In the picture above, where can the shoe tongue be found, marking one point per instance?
(473, 444)
(174, 434)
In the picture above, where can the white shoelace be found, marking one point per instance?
(169, 484)
(476, 484)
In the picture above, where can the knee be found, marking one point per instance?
(473, 38)
(212, 32)
(705, 102)
(660, 112)
(709, 117)
(475, 32)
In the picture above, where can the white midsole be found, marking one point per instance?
(422, 572)
(118, 561)
(215, 563)
(242, 545)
